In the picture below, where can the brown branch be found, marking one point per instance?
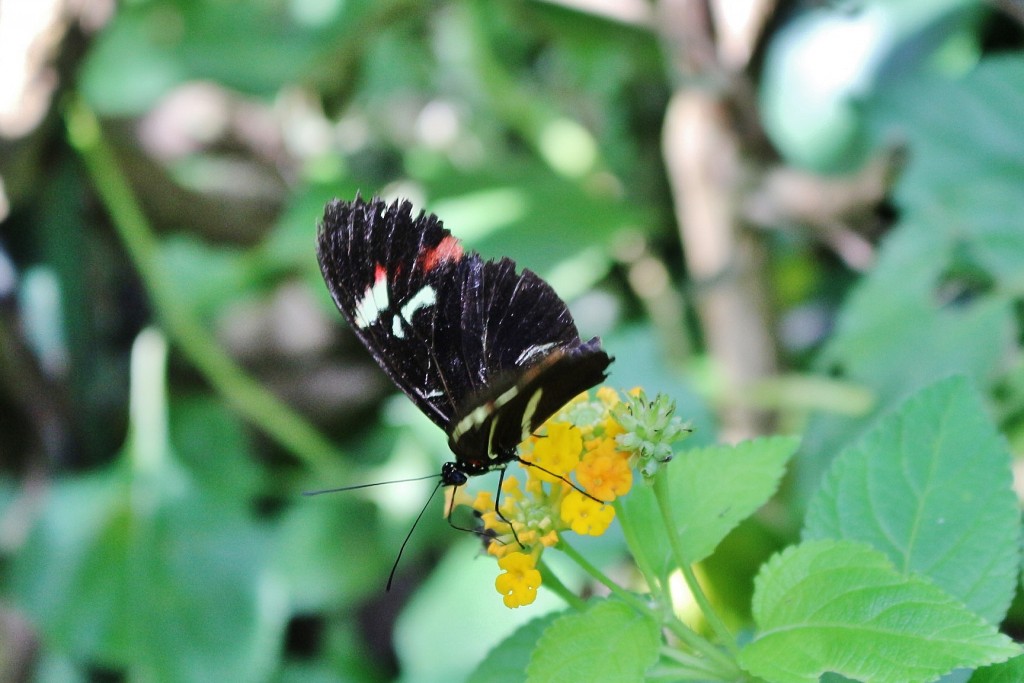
(704, 146)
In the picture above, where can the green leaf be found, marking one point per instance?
(895, 333)
(841, 606)
(940, 298)
(713, 490)
(212, 443)
(332, 551)
(718, 487)
(171, 42)
(136, 568)
(1011, 671)
(432, 644)
(508, 659)
(206, 276)
(513, 210)
(163, 589)
(961, 187)
(930, 486)
(973, 139)
(959, 198)
(609, 642)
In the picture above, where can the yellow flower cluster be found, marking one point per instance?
(577, 443)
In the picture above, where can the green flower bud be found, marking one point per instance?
(651, 429)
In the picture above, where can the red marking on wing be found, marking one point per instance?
(379, 274)
(448, 249)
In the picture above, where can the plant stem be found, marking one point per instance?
(654, 582)
(661, 493)
(694, 664)
(617, 590)
(264, 410)
(680, 630)
(551, 581)
(726, 665)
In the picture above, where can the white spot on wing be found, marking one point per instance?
(373, 303)
(424, 298)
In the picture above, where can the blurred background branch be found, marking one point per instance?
(243, 393)
(708, 156)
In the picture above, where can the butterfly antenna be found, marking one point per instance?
(394, 568)
(366, 486)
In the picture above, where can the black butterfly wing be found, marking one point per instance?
(510, 320)
(397, 280)
(486, 352)
(486, 433)
(526, 358)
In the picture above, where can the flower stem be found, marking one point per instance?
(698, 644)
(654, 582)
(680, 630)
(551, 581)
(600, 576)
(695, 666)
(661, 493)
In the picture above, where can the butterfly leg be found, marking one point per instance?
(527, 463)
(497, 511)
(483, 534)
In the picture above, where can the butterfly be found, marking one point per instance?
(488, 353)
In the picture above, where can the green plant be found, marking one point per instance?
(909, 559)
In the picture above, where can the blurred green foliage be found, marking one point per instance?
(151, 526)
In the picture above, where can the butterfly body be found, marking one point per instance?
(486, 352)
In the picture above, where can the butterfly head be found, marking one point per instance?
(453, 475)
